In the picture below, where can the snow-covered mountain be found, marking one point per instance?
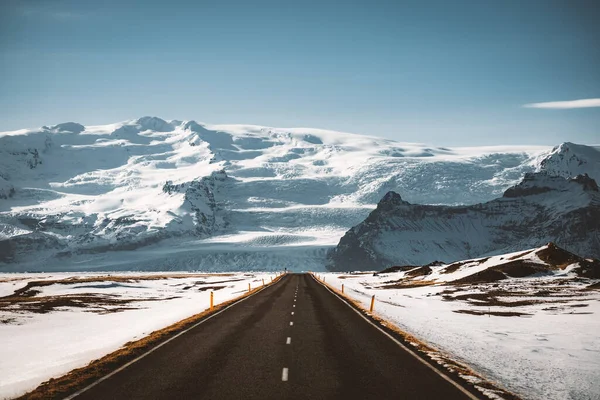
(540, 209)
(156, 194)
(569, 160)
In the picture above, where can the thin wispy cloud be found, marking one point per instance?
(563, 105)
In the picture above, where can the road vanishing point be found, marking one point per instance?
(292, 340)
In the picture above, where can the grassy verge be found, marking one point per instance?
(59, 388)
(468, 378)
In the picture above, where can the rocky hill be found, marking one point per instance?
(541, 209)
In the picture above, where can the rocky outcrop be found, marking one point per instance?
(541, 209)
(200, 198)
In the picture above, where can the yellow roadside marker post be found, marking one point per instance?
(211, 300)
(372, 303)
(342, 288)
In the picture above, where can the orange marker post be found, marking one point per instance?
(372, 303)
(342, 288)
(211, 300)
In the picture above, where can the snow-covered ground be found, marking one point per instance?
(68, 320)
(538, 336)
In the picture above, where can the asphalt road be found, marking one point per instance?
(293, 340)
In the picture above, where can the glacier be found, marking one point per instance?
(150, 194)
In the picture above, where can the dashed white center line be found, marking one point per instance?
(294, 305)
(292, 313)
(289, 340)
(284, 375)
(291, 323)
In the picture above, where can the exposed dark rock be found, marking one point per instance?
(540, 209)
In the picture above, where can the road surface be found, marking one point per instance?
(292, 340)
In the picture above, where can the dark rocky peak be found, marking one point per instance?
(219, 175)
(534, 183)
(588, 183)
(186, 187)
(391, 198)
(388, 202)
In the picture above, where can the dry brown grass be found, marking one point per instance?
(594, 286)
(26, 298)
(79, 378)
(94, 302)
(354, 275)
(427, 352)
(494, 313)
(455, 266)
(407, 284)
(106, 278)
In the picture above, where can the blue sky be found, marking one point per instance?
(440, 72)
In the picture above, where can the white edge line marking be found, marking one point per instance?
(284, 375)
(412, 353)
(289, 340)
(85, 389)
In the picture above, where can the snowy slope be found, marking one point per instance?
(526, 320)
(540, 209)
(89, 197)
(570, 159)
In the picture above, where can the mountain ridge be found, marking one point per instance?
(94, 189)
(541, 208)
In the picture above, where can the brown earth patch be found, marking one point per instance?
(593, 286)
(421, 271)
(92, 302)
(513, 269)
(24, 291)
(521, 268)
(556, 256)
(204, 288)
(485, 276)
(494, 313)
(455, 266)
(349, 276)
(407, 284)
